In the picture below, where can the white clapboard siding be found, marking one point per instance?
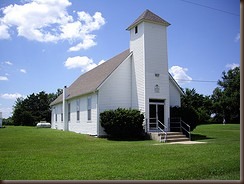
(174, 95)
(138, 68)
(83, 125)
(116, 90)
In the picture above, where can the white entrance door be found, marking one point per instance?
(156, 114)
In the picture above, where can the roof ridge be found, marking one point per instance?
(147, 15)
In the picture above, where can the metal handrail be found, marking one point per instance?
(188, 131)
(165, 132)
(159, 128)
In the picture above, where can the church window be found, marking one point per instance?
(69, 112)
(136, 29)
(89, 108)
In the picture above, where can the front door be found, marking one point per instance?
(156, 114)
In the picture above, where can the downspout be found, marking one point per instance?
(64, 109)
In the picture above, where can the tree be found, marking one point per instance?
(195, 108)
(34, 108)
(226, 97)
(7, 121)
(224, 102)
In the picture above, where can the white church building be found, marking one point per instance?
(137, 78)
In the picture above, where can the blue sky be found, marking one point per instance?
(46, 44)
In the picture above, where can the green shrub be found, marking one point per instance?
(122, 123)
(187, 114)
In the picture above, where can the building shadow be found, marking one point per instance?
(197, 137)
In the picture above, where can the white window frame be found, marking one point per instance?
(69, 112)
(89, 108)
(78, 110)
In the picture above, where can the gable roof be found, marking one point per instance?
(149, 16)
(91, 80)
(176, 84)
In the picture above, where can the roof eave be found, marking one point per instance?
(176, 84)
(144, 20)
(84, 94)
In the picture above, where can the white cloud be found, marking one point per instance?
(82, 62)
(4, 31)
(91, 23)
(232, 66)
(49, 21)
(179, 74)
(237, 38)
(10, 96)
(3, 78)
(22, 70)
(8, 63)
(86, 44)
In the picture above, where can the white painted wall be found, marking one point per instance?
(83, 126)
(57, 109)
(150, 56)
(156, 62)
(138, 68)
(174, 95)
(116, 91)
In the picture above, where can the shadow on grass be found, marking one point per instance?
(197, 137)
(139, 138)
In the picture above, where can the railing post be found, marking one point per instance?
(180, 126)
(190, 133)
(168, 127)
(147, 127)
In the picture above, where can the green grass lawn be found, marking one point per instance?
(29, 153)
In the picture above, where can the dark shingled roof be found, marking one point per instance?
(91, 80)
(149, 17)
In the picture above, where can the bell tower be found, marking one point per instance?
(150, 78)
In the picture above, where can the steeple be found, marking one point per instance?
(148, 16)
(150, 78)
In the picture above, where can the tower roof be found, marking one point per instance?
(148, 16)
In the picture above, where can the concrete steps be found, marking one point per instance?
(171, 136)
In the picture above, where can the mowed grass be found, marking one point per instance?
(29, 153)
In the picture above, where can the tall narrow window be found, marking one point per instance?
(136, 29)
(55, 114)
(62, 115)
(78, 110)
(89, 108)
(68, 111)
(78, 115)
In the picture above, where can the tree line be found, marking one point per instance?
(32, 109)
(222, 105)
